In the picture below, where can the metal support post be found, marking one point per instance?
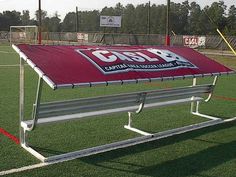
(21, 101)
(167, 42)
(36, 104)
(195, 106)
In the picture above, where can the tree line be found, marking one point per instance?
(185, 18)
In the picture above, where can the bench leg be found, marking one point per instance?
(26, 146)
(23, 137)
(129, 127)
(195, 111)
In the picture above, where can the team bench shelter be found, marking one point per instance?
(87, 66)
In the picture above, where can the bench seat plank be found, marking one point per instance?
(53, 109)
(28, 123)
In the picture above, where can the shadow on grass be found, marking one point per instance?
(193, 163)
(47, 152)
(183, 166)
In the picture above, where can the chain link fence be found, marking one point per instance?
(59, 38)
(4, 37)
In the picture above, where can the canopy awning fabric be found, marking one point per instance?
(73, 66)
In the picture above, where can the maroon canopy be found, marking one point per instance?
(70, 66)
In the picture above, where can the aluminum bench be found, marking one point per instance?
(85, 66)
(133, 103)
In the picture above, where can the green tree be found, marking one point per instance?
(194, 20)
(108, 11)
(140, 20)
(179, 17)
(9, 18)
(69, 22)
(158, 19)
(119, 9)
(216, 13)
(128, 19)
(185, 18)
(43, 14)
(25, 18)
(89, 21)
(231, 20)
(54, 25)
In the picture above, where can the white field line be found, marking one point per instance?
(7, 52)
(16, 65)
(44, 164)
(25, 168)
(35, 166)
(9, 65)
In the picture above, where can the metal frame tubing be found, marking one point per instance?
(195, 106)
(36, 104)
(116, 145)
(21, 101)
(194, 109)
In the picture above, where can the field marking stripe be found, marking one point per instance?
(16, 65)
(10, 136)
(7, 52)
(17, 170)
(39, 165)
(224, 98)
(35, 166)
(9, 65)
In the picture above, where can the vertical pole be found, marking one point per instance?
(192, 103)
(211, 93)
(21, 101)
(149, 17)
(168, 24)
(40, 23)
(36, 103)
(10, 36)
(35, 35)
(77, 20)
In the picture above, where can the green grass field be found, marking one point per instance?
(210, 152)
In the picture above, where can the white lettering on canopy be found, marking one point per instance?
(101, 55)
(121, 56)
(134, 56)
(166, 55)
(128, 56)
(111, 61)
(147, 57)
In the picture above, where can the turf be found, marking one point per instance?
(209, 152)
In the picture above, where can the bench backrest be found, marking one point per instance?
(59, 108)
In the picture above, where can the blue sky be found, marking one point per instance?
(64, 6)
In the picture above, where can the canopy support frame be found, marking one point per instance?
(23, 131)
(104, 148)
(21, 101)
(195, 105)
(112, 146)
(194, 109)
(36, 104)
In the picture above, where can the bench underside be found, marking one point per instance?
(133, 103)
(125, 143)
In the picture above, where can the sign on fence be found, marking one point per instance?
(194, 41)
(110, 21)
(82, 37)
